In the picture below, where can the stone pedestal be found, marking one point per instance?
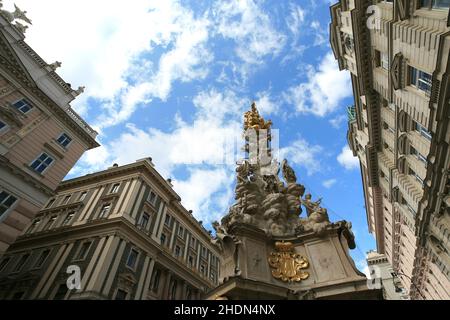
(329, 270)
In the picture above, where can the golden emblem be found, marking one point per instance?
(287, 265)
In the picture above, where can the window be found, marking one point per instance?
(435, 4)
(83, 196)
(68, 218)
(155, 280)
(202, 269)
(188, 293)
(115, 188)
(4, 263)
(144, 220)
(415, 175)
(192, 243)
(64, 140)
(173, 290)
(34, 225)
(65, 200)
(21, 263)
(61, 292)
(167, 220)
(163, 239)
(6, 202)
(180, 231)
(203, 252)
(423, 131)
(23, 106)
(50, 203)
(50, 223)
(132, 258)
(212, 276)
(42, 163)
(105, 210)
(121, 295)
(40, 261)
(152, 197)
(191, 261)
(3, 126)
(421, 80)
(84, 249)
(177, 251)
(384, 60)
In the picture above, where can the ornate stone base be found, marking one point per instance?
(304, 267)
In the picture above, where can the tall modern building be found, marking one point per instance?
(41, 136)
(126, 231)
(397, 53)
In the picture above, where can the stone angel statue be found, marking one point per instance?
(288, 173)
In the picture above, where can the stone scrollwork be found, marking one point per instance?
(287, 265)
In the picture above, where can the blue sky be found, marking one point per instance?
(170, 79)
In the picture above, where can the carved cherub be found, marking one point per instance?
(310, 205)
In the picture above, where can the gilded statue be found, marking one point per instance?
(252, 120)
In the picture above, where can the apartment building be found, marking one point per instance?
(126, 231)
(397, 53)
(41, 136)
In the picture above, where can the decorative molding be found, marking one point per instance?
(397, 72)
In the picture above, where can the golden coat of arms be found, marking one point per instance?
(287, 265)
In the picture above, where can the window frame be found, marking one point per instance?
(136, 260)
(8, 208)
(82, 196)
(36, 264)
(144, 214)
(48, 165)
(115, 188)
(19, 265)
(86, 253)
(65, 137)
(27, 103)
(5, 127)
(102, 213)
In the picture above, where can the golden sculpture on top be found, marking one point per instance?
(252, 120)
(287, 265)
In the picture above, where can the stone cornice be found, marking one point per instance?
(25, 176)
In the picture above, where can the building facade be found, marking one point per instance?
(126, 231)
(383, 275)
(41, 136)
(397, 53)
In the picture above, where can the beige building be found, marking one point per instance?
(41, 137)
(382, 275)
(398, 59)
(127, 232)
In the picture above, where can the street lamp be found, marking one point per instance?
(397, 289)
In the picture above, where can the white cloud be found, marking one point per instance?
(337, 121)
(320, 33)
(325, 89)
(245, 23)
(347, 160)
(111, 42)
(207, 192)
(295, 19)
(303, 154)
(329, 183)
(265, 104)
